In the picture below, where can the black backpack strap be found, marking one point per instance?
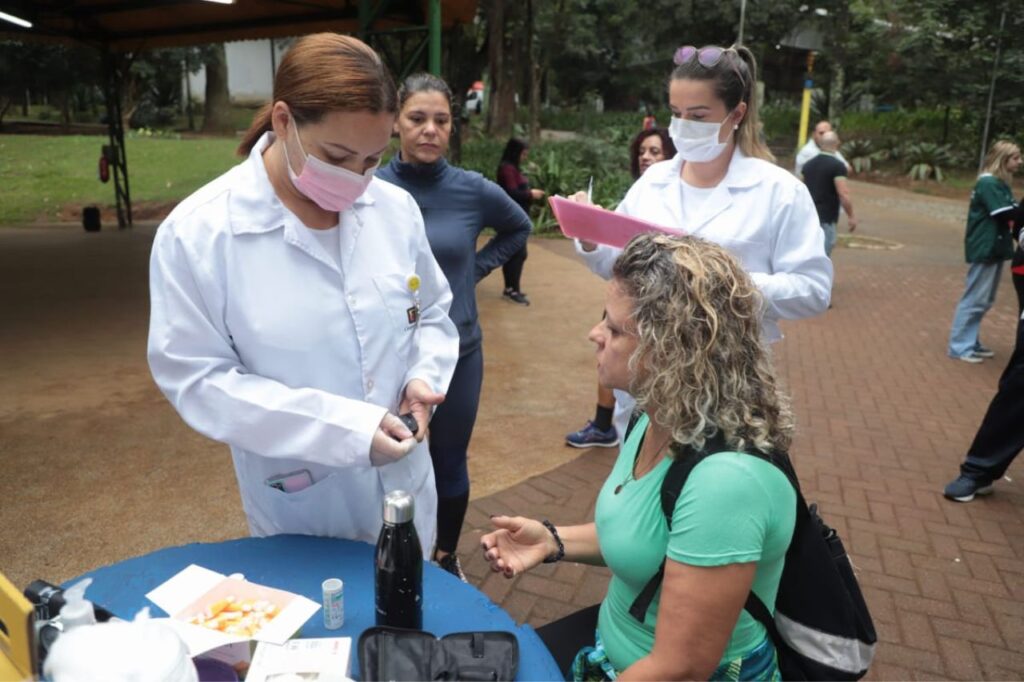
(672, 487)
(756, 608)
(684, 459)
(634, 417)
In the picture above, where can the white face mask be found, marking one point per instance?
(697, 141)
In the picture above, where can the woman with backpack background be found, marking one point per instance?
(682, 333)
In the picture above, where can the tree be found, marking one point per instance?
(58, 72)
(217, 107)
(502, 51)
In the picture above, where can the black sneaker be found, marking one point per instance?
(516, 296)
(450, 563)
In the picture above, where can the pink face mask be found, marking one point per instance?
(330, 187)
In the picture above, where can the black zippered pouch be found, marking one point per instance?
(396, 654)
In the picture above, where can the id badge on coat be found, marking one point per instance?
(412, 313)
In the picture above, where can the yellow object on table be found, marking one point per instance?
(17, 645)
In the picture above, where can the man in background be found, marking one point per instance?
(825, 176)
(811, 149)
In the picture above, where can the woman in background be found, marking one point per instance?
(510, 177)
(989, 241)
(456, 206)
(649, 147)
(723, 186)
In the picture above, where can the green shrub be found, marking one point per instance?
(860, 154)
(781, 122)
(926, 160)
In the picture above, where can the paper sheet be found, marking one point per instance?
(601, 226)
(326, 659)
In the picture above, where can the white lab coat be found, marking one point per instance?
(261, 342)
(762, 214)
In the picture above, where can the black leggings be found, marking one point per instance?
(450, 430)
(513, 269)
(1000, 438)
(566, 636)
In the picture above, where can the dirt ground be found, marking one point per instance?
(98, 465)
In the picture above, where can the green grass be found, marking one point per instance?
(39, 174)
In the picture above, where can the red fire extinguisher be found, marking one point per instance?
(104, 168)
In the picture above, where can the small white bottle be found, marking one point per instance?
(334, 603)
(77, 610)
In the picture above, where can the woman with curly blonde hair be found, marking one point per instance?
(682, 333)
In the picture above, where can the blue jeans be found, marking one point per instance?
(979, 295)
(830, 237)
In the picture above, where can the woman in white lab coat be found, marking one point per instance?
(722, 186)
(297, 308)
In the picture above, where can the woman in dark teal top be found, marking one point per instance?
(991, 219)
(682, 333)
(456, 206)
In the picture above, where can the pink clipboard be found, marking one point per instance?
(601, 226)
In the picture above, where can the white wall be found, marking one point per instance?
(250, 78)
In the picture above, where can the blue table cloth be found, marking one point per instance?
(299, 564)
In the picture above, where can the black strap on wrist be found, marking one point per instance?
(560, 554)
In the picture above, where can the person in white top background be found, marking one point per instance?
(723, 186)
(813, 147)
(297, 308)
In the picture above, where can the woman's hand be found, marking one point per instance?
(391, 442)
(518, 545)
(418, 399)
(582, 198)
(537, 194)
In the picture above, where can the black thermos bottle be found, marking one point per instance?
(398, 582)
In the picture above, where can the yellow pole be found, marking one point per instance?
(805, 117)
(805, 106)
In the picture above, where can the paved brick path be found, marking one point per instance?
(883, 421)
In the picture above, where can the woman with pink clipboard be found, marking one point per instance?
(721, 186)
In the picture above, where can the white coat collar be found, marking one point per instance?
(255, 207)
(743, 172)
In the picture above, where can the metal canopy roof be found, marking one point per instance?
(139, 24)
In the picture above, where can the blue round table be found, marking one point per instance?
(299, 564)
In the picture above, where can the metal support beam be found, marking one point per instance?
(116, 156)
(434, 24)
(429, 25)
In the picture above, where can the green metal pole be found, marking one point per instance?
(365, 13)
(434, 26)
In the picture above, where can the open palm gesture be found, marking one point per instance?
(517, 545)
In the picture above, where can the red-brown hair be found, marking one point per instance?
(322, 73)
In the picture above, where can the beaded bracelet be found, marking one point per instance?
(560, 554)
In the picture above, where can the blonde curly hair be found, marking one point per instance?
(700, 365)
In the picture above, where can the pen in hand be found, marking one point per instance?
(590, 190)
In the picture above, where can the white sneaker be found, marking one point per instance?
(971, 357)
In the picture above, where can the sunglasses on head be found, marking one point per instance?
(707, 56)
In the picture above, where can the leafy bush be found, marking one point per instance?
(859, 153)
(926, 160)
(781, 122)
